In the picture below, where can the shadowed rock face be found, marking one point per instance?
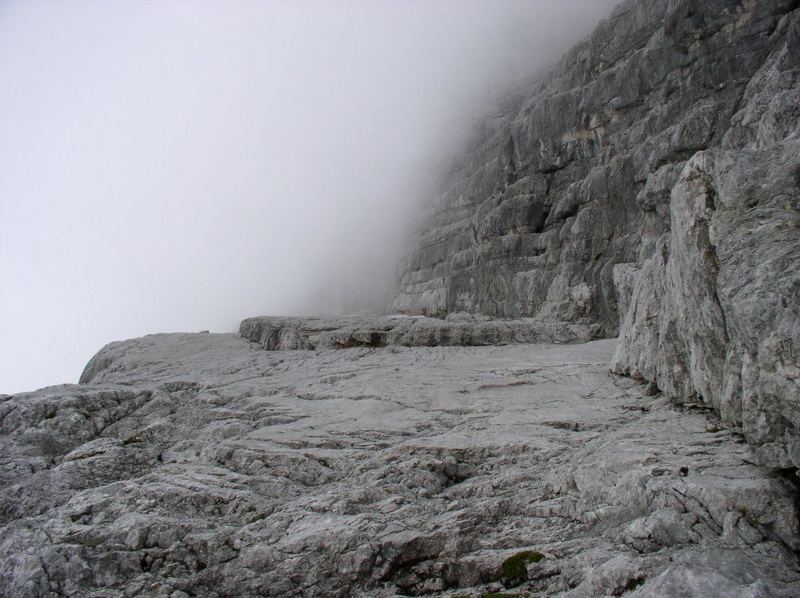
(653, 174)
(204, 465)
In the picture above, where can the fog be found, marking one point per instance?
(178, 166)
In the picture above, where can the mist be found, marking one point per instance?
(181, 165)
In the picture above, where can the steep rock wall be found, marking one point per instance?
(714, 313)
(654, 175)
(575, 177)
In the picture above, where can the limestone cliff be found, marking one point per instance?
(575, 177)
(668, 141)
(648, 182)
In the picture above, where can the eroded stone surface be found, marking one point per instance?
(714, 313)
(202, 464)
(661, 157)
(459, 329)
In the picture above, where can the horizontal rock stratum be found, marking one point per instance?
(457, 330)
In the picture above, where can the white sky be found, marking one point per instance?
(181, 165)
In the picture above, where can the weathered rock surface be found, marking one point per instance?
(667, 142)
(204, 465)
(575, 177)
(464, 329)
(715, 314)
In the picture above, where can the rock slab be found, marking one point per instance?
(205, 465)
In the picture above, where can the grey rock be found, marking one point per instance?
(201, 464)
(647, 183)
(663, 149)
(714, 316)
(357, 331)
(574, 174)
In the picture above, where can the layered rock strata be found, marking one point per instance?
(714, 315)
(274, 333)
(575, 177)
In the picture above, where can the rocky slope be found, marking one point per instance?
(668, 141)
(205, 465)
(648, 185)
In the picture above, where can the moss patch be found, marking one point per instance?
(515, 568)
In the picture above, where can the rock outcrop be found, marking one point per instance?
(661, 154)
(204, 465)
(463, 330)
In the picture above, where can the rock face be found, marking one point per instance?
(576, 176)
(714, 315)
(204, 465)
(660, 155)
